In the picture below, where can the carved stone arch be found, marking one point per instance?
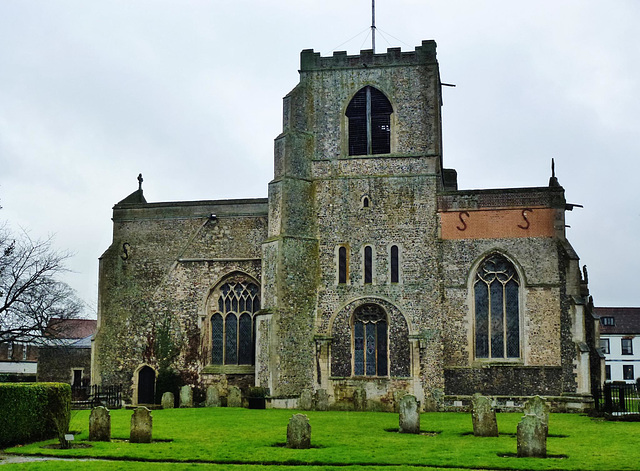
(341, 329)
(495, 251)
(144, 384)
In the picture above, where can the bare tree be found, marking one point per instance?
(32, 299)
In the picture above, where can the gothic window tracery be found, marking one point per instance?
(497, 311)
(232, 322)
(370, 340)
(369, 114)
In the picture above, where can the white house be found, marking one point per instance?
(620, 342)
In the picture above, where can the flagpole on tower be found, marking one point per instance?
(373, 25)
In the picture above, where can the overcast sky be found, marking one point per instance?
(189, 93)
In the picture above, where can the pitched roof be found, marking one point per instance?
(626, 319)
(71, 328)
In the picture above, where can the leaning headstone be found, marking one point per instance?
(360, 399)
(168, 400)
(538, 407)
(141, 423)
(322, 399)
(532, 437)
(234, 399)
(483, 417)
(100, 425)
(213, 397)
(299, 432)
(409, 415)
(186, 396)
(306, 400)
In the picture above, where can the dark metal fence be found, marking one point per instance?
(618, 399)
(87, 397)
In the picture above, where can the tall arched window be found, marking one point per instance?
(369, 114)
(394, 263)
(497, 311)
(232, 331)
(343, 265)
(368, 264)
(370, 341)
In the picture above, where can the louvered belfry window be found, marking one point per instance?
(497, 312)
(369, 116)
(232, 325)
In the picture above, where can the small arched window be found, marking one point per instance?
(369, 114)
(497, 311)
(232, 332)
(370, 341)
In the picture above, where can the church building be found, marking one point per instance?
(366, 273)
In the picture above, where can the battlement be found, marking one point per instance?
(424, 54)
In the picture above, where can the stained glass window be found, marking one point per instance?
(370, 341)
(369, 114)
(232, 323)
(497, 311)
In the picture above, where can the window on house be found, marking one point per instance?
(627, 347)
(607, 321)
(607, 372)
(627, 372)
(368, 264)
(370, 341)
(77, 377)
(343, 270)
(604, 345)
(369, 114)
(395, 264)
(232, 326)
(497, 311)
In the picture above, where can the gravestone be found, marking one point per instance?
(141, 424)
(360, 399)
(168, 400)
(409, 415)
(306, 400)
(186, 396)
(234, 399)
(299, 432)
(213, 397)
(397, 397)
(532, 437)
(100, 425)
(483, 417)
(538, 407)
(322, 399)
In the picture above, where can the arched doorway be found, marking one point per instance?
(146, 385)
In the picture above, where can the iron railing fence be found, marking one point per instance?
(617, 399)
(87, 397)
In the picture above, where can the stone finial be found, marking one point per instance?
(322, 399)
(141, 425)
(186, 396)
(360, 399)
(409, 419)
(553, 181)
(538, 407)
(168, 400)
(483, 417)
(532, 437)
(213, 397)
(306, 400)
(100, 425)
(234, 398)
(299, 432)
(140, 180)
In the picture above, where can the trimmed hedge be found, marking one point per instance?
(33, 411)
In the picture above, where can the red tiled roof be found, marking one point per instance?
(626, 319)
(72, 328)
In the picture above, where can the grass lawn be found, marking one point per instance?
(239, 439)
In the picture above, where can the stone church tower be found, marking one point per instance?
(365, 274)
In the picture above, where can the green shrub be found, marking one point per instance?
(33, 411)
